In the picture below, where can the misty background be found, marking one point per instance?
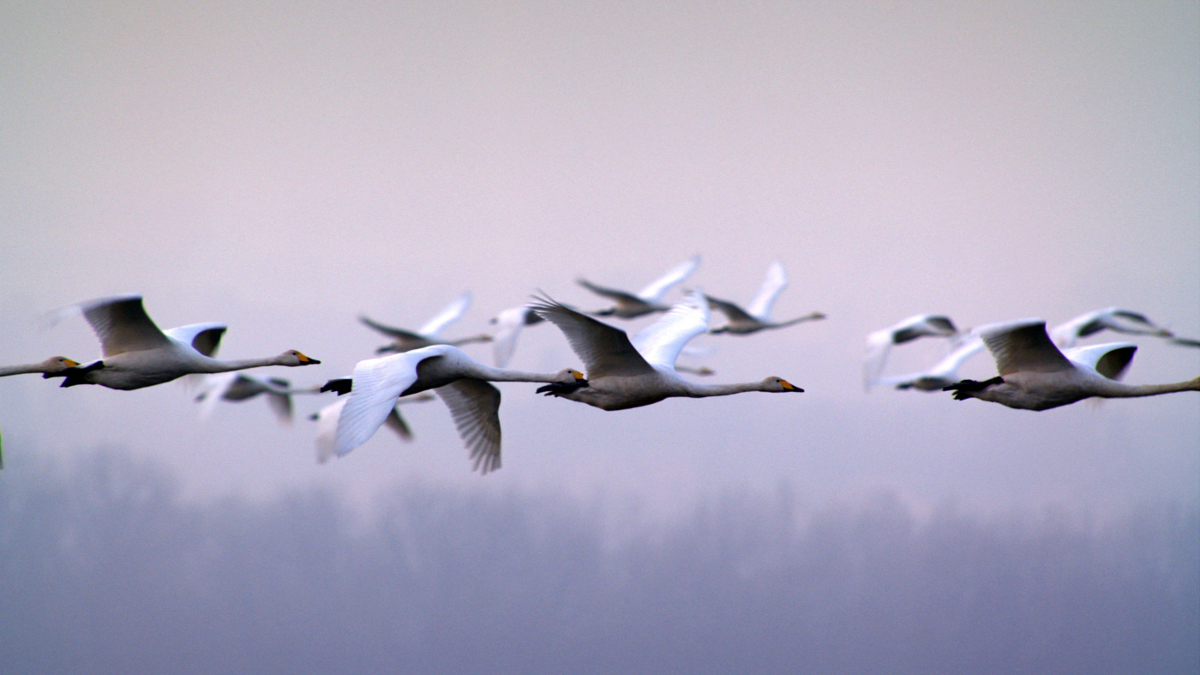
(285, 167)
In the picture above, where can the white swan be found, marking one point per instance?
(237, 387)
(1035, 375)
(881, 341)
(508, 326)
(137, 354)
(757, 315)
(327, 423)
(54, 364)
(942, 374)
(649, 299)
(628, 374)
(1111, 318)
(460, 381)
(428, 334)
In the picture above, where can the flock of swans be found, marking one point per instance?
(1037, 369)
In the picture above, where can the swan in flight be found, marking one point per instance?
(327, 422)
(649, 299)
(54, 364)
(137, 354)
(942, 374)
(757, 316)
(1114, 319)
(237, 387)
(508, 326)
(881, 341)
(461, 382)
(627, 374)
(428, 334)
(1035, 375)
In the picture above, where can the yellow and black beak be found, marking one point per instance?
(306, 361)
(788, 386)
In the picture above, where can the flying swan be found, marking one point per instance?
(627, 374)
(461, 382)
(1035, 375)
(428, 334)
(137, 354)
(757, 316)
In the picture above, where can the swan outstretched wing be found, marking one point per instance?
(203, 337)
(453, 312)
(605, 350)
(475, 407)
(377, 383)
(655, 290)
(772, 286)
(1110, 359)
(660, 342)
(122, 324)
(1022, 345)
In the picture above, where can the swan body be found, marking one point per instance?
(54, 364)
(628, 374)
(461, 382)
(1035, 375)
(428, 334)
(880, 342)
(137, 354)
(757, 315)
(237, 387)
(1117, 320)
(649, 299)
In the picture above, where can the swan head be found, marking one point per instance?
(571, 376)
(294, 358)
(778, 384)
(57, 364)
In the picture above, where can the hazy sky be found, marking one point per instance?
(282, 167)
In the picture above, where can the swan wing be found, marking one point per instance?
(772, 286)
(610, 293)
(504, 339)
(731, 311)
(1022, 345)
(327, 424)
(453, 312)
(397, 424)
(605, 350)
(203, 337)
(212, 388)
(280, 403)
(475, 407)
(655, 290)
(376, 384)
(660, 342)
(122, 325)
(392, 331)
(1110, 359)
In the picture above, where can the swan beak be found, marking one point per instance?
(788, 386)
(579, 377)
(71, 363)
(306, 361)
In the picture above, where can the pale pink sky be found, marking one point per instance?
(283, 167)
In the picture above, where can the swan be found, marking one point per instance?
(238, 386)
(1035, 375)
(461, 382)
(627, 374)
(881, 341)
(1114, 319)
(942, 374)
(327, 422)
(404, 340)
(757, 316)
(137, 354)
(508, 326)
(54, 364)
(646, 301)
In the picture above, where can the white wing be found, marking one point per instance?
(504, 339)
(772, 286)
(660, 342)
(1110, 359)
(656, 289)
(327, 426)
(122, 324)
(203, 337)
(452, 313)
(1022, 345)
(377, 383)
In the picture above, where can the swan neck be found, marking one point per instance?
(698, 390)
(20, 370)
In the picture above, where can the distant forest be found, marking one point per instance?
(105, 569)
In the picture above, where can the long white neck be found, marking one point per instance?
(504, 375)
(20, 370)
(218, 366)
(1113, 389)
(698, 390)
